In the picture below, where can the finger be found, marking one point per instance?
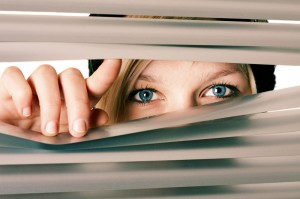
(44, 81)
(103, 77)
(98, 118)
(76, 98)
(15, 86)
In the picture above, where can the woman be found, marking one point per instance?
(67, 102)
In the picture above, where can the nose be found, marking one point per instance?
(181, 103)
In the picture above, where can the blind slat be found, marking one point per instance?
(72, 178)
(16, 28)
(285, 190)
(271, 145)
(40, 51)
(246, 125)
(258, 124)
(289, 190)
(258, 9)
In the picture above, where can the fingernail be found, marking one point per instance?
(26, 112)
(51, 128)
(79, 126)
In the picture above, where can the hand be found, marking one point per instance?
(51, 103)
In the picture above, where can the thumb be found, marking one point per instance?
(98, 118)
(103, 77)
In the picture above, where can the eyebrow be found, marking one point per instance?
(222, 73)
(204, 77)
(149, 78)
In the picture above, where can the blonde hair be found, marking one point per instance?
(114, 100)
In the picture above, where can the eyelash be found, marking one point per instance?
(136, 90)
(233, 88)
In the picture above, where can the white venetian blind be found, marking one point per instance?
(37, 37)
(245, 148)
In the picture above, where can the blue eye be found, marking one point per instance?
(222, 91)
(144, 95)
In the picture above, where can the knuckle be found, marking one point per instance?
(51, 106)
(71, 72)
(83, 102)
(45, 69)
(10, 72)
(22, 94)
(80, 106)
(54, 102)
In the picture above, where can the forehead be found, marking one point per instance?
(160, 68)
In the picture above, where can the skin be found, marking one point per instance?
(40, 102)
(67, 108)
(181, 85)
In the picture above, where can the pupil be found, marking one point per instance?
(219, 91)
(146, 95)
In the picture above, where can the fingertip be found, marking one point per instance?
(99, 118)
(104, 118)
(79, 128)
(112, 66)
(16, 87)
(26, 112)
(114, 62)
(51, 129)
(103, 78)
(22, 100)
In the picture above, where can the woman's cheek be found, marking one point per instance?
(137, 110)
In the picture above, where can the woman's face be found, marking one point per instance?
(166, 86)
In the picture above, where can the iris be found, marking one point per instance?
(145, 95)
(219, 90)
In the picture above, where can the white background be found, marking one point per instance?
(29, 67)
